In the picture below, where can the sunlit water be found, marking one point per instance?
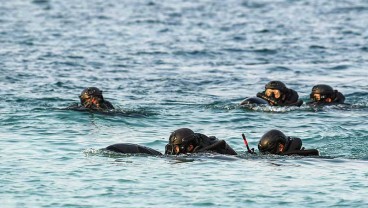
(174, 64)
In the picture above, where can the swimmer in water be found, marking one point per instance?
(275, 142)
(324, 95)
(181, 141)
(277, 94)
(91, 98)
(185, 141)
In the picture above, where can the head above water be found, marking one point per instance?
(322, 92)
(90, 95)
(180, 141)
(275, 89)
(272, 142)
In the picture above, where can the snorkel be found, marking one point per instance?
(251, 151)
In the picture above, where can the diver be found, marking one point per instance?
(91, 98)
(181, 141)
(324, 95)
(277, 94)
(275, 142)
(184, 141)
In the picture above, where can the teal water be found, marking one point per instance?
(173, 64)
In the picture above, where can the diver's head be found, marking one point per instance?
(272, 142)
(275, 89)
(90, 96)
(322, 93)
(181, 141)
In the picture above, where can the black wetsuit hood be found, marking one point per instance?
(184, 137)
(273, 140)
(94, 93)
(294, 147)
(325, 92)
(270, 141)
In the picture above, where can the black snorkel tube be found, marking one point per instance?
(251, 151)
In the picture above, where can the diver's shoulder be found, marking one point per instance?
(108, 105)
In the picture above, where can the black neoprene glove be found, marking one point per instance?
(270, 100)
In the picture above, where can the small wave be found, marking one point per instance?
(265, 108)
(91, 152)
(265, 51)
(253, 4)
(40, 1)
(317, 47)
(196, 53)
(221, 106)
(339, 67)
(107, 153)
(341, 107)
(279, 69)
(137, 112)
(175, 158)
(278, 160)
(304, 107)
(195, 156)
(154, 53)
(263, 31)
(349, 9)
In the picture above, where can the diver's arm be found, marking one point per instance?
(220, 147)
(303, 152)
(340, 98)
(270, 100)
(292, 99)
(128, 148)
(108, 105)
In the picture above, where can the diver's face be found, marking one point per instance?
(321, 98)
(182, 150)
(273, 92)
(176, 149)
(317, 97)
(87, 101)
(280, 148)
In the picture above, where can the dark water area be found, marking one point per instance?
(171, 64)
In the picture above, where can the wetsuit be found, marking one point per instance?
(128, 148)
(199, 142)
(254, 101)
(339, 98)
(293, 146)
(104, 105)
(202, 144)
(212, 144)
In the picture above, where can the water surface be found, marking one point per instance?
(173, 64)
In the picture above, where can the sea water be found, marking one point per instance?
(172, 64)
